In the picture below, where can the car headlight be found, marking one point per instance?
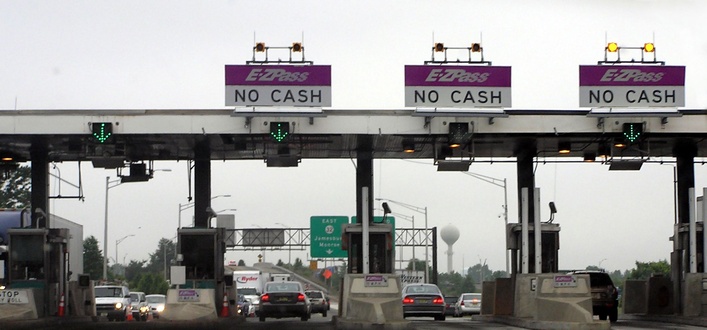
(160, 308)
(118, 305)
(144, 309)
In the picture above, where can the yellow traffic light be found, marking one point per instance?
(612, 47)
(439, 47)
(297, 47)
(648, 47)
(476, 47)
(260, 47)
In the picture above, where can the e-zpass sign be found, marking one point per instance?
(13, 297)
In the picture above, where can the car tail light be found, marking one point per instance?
(462, 303)
(265, 298)
(300, 297)
(408, 300)
(438, 301)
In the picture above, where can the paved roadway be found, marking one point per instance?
(317, 322)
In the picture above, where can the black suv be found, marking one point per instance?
(604, 294)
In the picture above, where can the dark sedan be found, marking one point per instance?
(284, 299)
(423, 300)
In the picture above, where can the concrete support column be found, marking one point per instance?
(202, 183)
(364, 174)
(684, 152)
(525, 155)
(39, 154)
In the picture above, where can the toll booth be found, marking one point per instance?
(38, 262)
(202, 251)
(550, 237)
(381, 253)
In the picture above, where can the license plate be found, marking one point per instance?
(283, 299)
(104, 314)
(423, 301)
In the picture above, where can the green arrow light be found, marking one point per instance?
(279, 130)
(102, 131)
(633, 131)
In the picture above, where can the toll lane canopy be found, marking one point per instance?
(132, 135)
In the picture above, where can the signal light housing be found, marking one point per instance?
(439, 47)
(297, 47)
(632, 132)
(102, 132)
(649, 47)
(476, 47)
(260, 47)
(612, 47)
(279, 130)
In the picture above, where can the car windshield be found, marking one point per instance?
(108, 292)
(422, 289)
(134, 297)
(450, 300)
(471, 296)
(314, 294)
(248, 291)
(275, 287)
(155, 299)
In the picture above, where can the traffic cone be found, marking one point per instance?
(60, 312)
(130, 314)
(224, 308)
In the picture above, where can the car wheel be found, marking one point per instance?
(304, 318)
(262, 318)
(440, 318)
(324, 314)
(602, 316)
(614, 315)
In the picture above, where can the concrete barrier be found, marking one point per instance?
(488, 296)
(190, 304)
(18, 304)
(634, 299)
(503, 302)
(371, 300)
(564, 298)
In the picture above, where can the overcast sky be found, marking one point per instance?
(171, 55)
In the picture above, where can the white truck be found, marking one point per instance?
(250, 283)
(283, 277)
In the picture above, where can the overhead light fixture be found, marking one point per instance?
(648, 47)
(590, 157)
(439, 47)
(408, 146)
(297, 47)
(458, 134)
(612, 47)
(476, 47)
(564, 147)
(619, 144)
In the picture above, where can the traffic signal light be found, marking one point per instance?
(439, 47)
(102, 132)
(612, 47)
(297, 47)
(260, 47)
(649, 47)
(633, 132)
(279, 130)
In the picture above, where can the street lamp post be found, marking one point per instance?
(422, 210)
(109, 184)
(496, 182)
(118, 241)
(189, 205)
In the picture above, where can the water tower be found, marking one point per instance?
(450, 235)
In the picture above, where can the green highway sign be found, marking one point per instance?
(325, 236)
